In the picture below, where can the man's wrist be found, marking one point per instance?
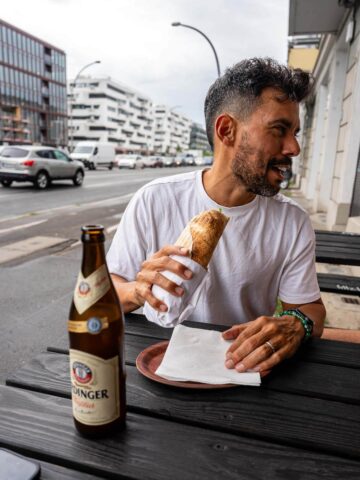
(306, 322)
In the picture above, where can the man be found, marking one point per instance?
(267, 249)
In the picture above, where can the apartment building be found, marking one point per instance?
(171, 130)
(105, 110)
(330, 158)
(32, 89)
(198, 138)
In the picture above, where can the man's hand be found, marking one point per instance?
(263, 343)
(150, 274)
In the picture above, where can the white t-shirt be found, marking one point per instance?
(265, 252)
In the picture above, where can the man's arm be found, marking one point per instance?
(263, 343)
(134, 294)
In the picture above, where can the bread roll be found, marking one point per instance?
(201, 235)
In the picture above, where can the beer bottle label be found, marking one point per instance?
(95, 388)
(90, 289)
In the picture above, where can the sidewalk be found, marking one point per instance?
(343, 311)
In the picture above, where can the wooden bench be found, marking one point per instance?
(342, 249)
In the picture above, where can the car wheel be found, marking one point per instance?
(78, 178)
(42, 180)
(110, 167)
(6, 183)
(92, 166)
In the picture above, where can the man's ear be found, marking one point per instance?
(225, 129)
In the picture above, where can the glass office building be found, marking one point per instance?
(32, 90)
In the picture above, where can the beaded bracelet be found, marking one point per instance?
(306, 322)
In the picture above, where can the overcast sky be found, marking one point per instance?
(138, 46)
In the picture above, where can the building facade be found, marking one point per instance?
(105, 110)
(171, 130)
(330, 160)
(198, 138)
(32, 89)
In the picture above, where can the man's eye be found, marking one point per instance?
(280, 129)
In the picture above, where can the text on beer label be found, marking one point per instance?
(94, 388)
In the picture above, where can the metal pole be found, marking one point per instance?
(178, 24)
(72, 86)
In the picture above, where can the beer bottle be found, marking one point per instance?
(96, 334)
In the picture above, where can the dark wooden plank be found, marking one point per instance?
(317, 380)
(321, 234)
(291, 419)
(341, 284)
(331, 352)
(343, 256)
(154, 448)
(316, 351)
(294, 376)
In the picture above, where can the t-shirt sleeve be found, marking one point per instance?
(298, 283)
(129, 247)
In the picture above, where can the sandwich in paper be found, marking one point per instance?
(200, 237)
(202, 234)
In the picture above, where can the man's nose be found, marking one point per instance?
(291, 147)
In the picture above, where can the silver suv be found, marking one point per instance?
(40, 165)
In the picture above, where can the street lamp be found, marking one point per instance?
(179, 24)
(71, 101)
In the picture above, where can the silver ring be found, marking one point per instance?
(269, 344)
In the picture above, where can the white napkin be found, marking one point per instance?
(198, 355)
(179, 308)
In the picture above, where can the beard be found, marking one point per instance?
(247, 165)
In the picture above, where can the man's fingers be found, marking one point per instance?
(162, 263)
(150, 278)
(171, 250)
(235, 330)
(143, 292)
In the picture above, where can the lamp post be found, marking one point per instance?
(71, 101)
(179, 24)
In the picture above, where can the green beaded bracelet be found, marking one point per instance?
(306, 322)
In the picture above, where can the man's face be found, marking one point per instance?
(266, 141)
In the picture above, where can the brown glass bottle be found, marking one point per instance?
(96, 335)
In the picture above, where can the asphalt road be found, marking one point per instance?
(36, 284)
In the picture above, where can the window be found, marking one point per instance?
(45, 154)
(14, 152)
(60, 156)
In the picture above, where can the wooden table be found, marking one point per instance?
(303, 422)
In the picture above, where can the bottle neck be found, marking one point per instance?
(93, 257)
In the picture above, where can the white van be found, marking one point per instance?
(95, 154)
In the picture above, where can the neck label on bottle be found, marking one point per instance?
(90, 289)
(95, 388)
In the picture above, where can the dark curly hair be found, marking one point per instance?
(238, 91)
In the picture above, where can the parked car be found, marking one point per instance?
(180, 161)
(208, 160)
(169, 161)
(39, 165)
(130, 161)
(153, 161)
(199, 161)
(95, 154)
(189, 160)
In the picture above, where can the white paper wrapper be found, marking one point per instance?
(198, 355)
(179, 308)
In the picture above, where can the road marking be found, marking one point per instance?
(126, 180)
(108, 201)
(28, 246)
(20, 227)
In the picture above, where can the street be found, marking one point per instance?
(40, 253)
